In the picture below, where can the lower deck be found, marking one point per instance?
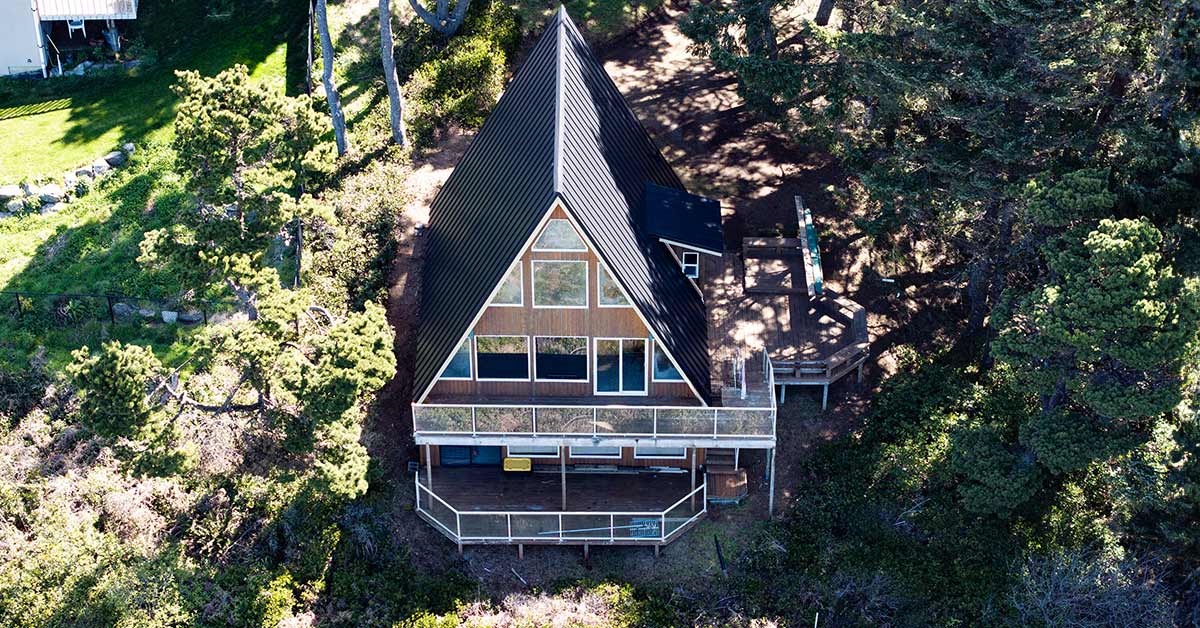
(492, 489)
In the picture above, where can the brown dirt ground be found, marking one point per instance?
(721, 150)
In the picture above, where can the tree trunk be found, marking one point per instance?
(441, 20)
(824, 10)
(387, 54)
(335, 105)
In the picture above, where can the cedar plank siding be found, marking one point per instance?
(595, 321)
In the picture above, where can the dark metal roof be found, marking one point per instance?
(683, 218)
(561, 130)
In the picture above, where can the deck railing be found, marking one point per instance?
(588, 421)
(523, 526)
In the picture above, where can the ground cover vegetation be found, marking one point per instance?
(1042, 471)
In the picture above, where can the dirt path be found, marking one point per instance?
(721, 150)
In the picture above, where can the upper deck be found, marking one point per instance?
(87, 9)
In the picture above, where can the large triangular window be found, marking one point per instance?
(559, 236)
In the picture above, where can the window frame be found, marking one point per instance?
(519, 266)
(682, 456)
(653, 372)
(509, 454)
(601, 272)
(587, 376)
(534, 246)
(470, 342)
(620, 452)
(533, 280)
(475, 353)
(684, 264)
(645, 392)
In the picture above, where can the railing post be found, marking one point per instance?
(508, 516)
(533, 411)
(474, 426)
(714, 423)
(560, 527)
(655, 428)
(612, 528)
(662, 527)
(458, 524)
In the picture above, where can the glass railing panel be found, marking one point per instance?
(589, 526)
(501, 420)
(646, 526)
(532, 525)
(443, 514)
(483, 526)
(434, 419)
(625, 421)
(744, 422)
(564, 420)
(682, 512)
(685, 421)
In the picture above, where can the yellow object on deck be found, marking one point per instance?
(518, 464)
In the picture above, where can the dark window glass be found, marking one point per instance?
(561, 358)
(608, 365)
(502, 357)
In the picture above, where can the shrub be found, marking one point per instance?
(456, 89)
(113, 384)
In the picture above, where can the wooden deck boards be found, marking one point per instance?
(489, 488)
(786, 325)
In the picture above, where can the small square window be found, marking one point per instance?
(690, 261)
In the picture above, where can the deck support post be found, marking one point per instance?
(585, 551)
(694, 452)
(860, 367)
(657, 549)
(428, 467)
(460, 548)
(782, 394)
(771, 483)
(562, 465)
(824, 396)
(520, 551)
(737, 454)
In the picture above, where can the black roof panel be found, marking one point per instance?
(687, 219)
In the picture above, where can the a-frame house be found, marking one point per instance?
(564, 390)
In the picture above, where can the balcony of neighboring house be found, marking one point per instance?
(561, 505)
(82, 30)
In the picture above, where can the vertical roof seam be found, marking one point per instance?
(558, 99)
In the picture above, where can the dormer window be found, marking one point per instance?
(690, 261)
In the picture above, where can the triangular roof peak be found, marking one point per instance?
(561, 131)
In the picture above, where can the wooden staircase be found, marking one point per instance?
(726, 481)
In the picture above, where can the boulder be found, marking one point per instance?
(14, 206)
(169, 317)
(52, 208)
(116, 159)
(9, 192)
(84, 172)
(191, 317)
(146, 312)
(122, 310)
(128, 147)
(70, 180)
(100, 167)
(51, 193)
(27, 188)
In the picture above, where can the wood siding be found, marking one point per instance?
(592, 322)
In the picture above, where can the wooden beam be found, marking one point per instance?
(771, 482)
(562, 458)
(428, 468)
(694, 478)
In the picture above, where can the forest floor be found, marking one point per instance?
(723, 151)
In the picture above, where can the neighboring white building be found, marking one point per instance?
(25, 26)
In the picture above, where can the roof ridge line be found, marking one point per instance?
(559, 36)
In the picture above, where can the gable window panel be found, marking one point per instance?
(559, 236)
(560, 283)
(690, 261)
(503, 358)
(596, 452)
(561, 358)
(511, 292)
(459, 366)
(663, 453)
(610, 294)
(664, 371)
(620, 366)
(532, 451)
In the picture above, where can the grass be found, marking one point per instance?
(48, 127)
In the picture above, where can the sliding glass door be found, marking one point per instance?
(621, 366)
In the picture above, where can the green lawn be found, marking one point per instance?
(47, 127)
